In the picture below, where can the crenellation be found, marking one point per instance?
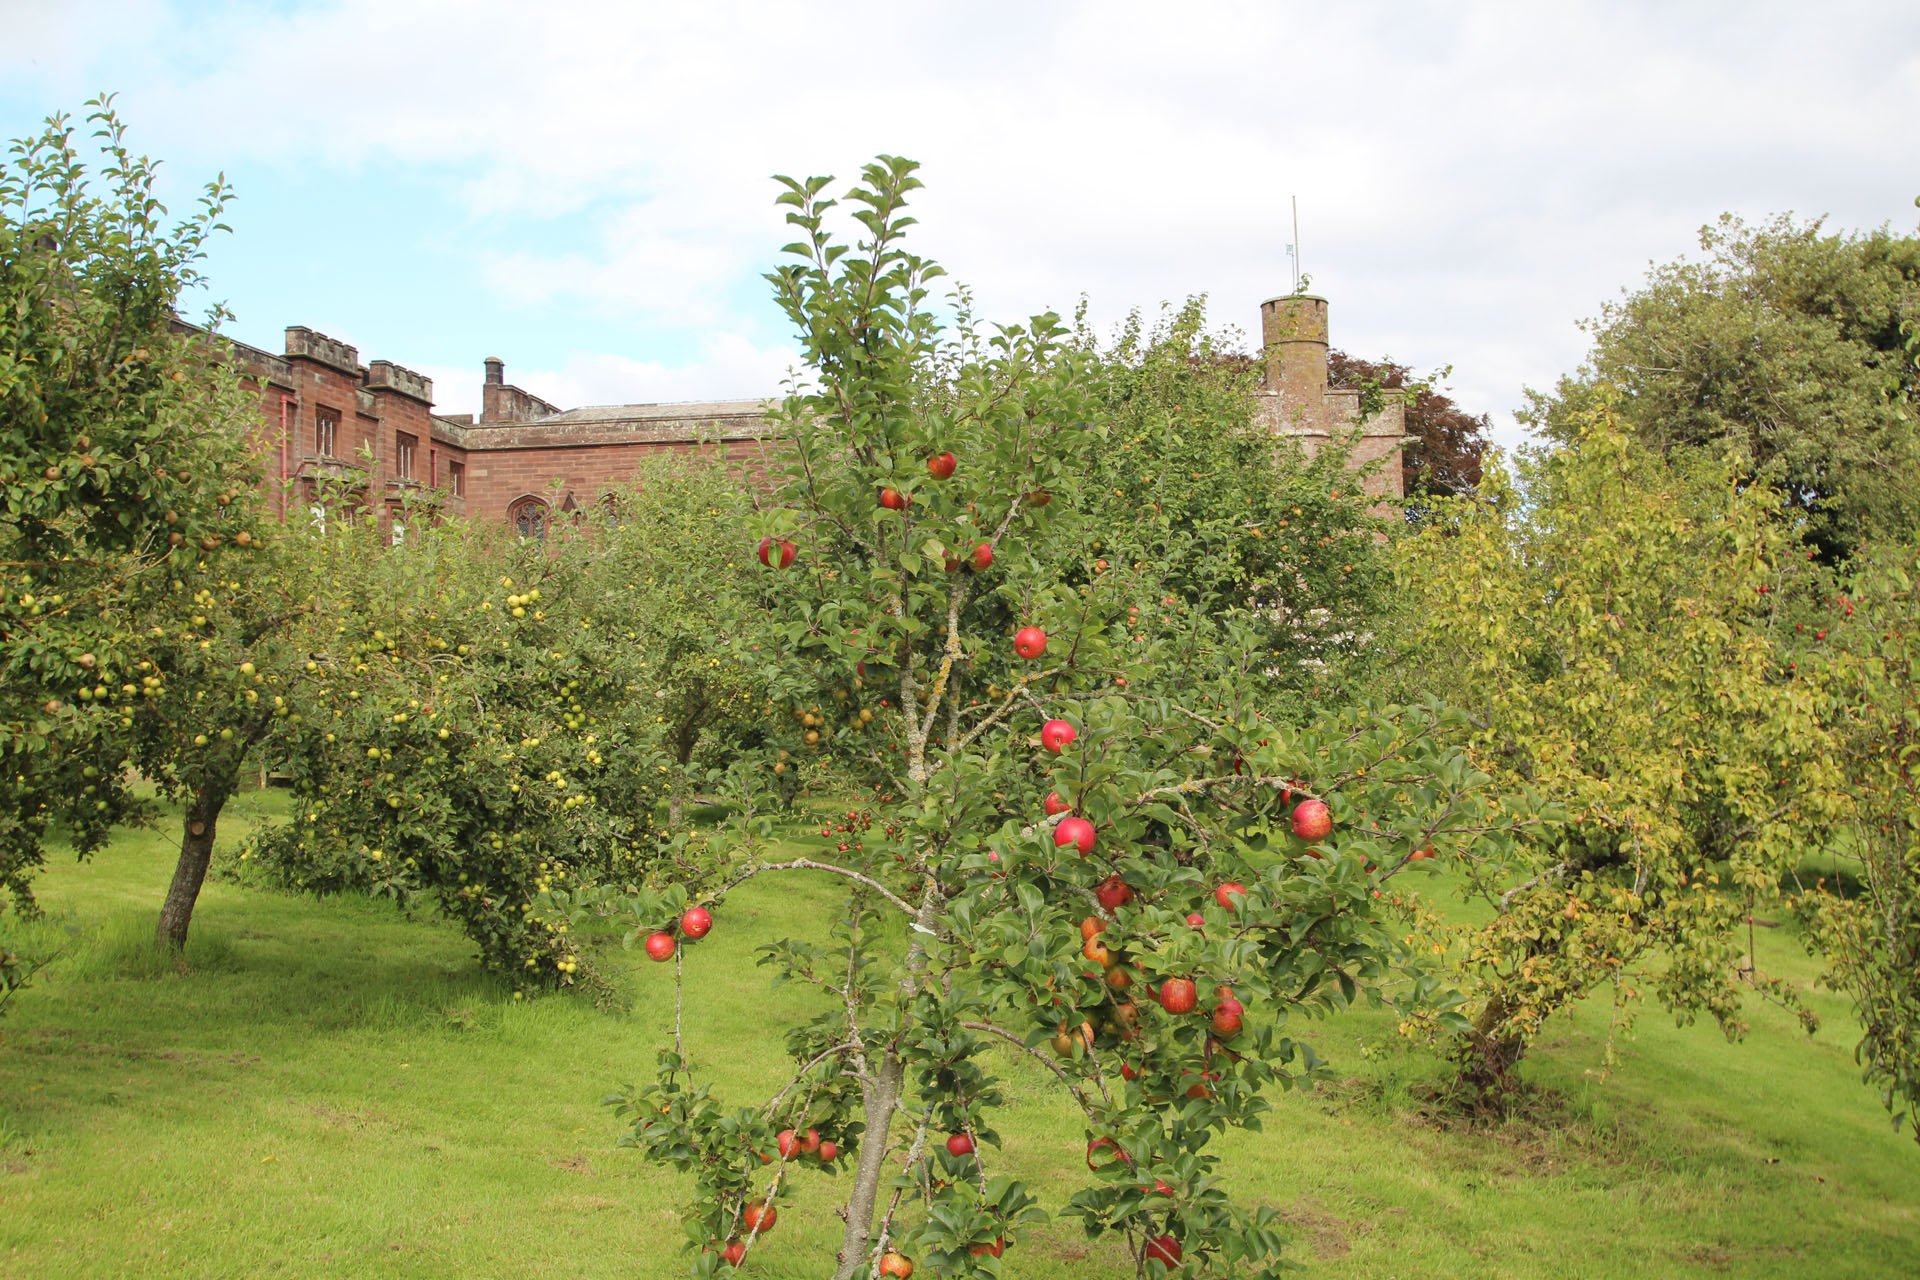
(306, 344)
(392, 377)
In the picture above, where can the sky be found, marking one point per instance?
(584, 189)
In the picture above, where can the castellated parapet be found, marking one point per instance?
(386, 374)
(318, 347)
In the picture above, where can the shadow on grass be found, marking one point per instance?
(398, 975)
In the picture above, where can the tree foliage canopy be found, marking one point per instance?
(1785, 345)
(1618, 639)
(123, 460)
(1229, 520)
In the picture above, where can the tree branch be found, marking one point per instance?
(808, 864)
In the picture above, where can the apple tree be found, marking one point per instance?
(1869, 929)
(474, 729)
(1138, 896)
(121, 449)
(669, 569)
(221, 664)
(1618, 640)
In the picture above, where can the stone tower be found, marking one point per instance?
(1296, 401)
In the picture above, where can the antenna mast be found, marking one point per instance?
(1295, 246)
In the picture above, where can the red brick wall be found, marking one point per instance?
(498, 477)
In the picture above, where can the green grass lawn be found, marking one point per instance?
(329, 1089)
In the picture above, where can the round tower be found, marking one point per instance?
(1293, 336)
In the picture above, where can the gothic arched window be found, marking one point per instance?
(528, 518)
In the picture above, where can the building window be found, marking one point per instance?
(403, 450)
(326, 432)
(528, 518)
(457, 478)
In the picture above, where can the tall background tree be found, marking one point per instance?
(1785, 345)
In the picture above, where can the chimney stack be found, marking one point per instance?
(496, 371)
(1293, 335)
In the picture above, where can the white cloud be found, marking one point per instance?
(1472, 178)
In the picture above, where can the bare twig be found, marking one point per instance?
(808, 864)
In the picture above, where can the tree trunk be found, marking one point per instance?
(881, 1098)
(196, 853)
(685, 738)
(1488, 1058)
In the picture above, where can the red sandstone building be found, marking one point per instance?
(372, 427)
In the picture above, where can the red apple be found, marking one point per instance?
(1091, 926)
(1226, 1019)
(1077, 832)
(1098, 1145)
(1055, 735)
(980, 1250)
(810, 1143)
(788, 1144)
(1179, 995)
(1197, 920)
(983, 556)
(941, 465)
(759, 1216)
(1312, 821)
(1113, 893)
(1229, 894)
(895, 1266)
(661, 946)
(1054, 804)
(894, 500)
(1029, 642)
(1164, 1249)
(960, 1145)
(1421, 854)
(769, 549)
(828, 1151)
(695, 921)
(734, 1252)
